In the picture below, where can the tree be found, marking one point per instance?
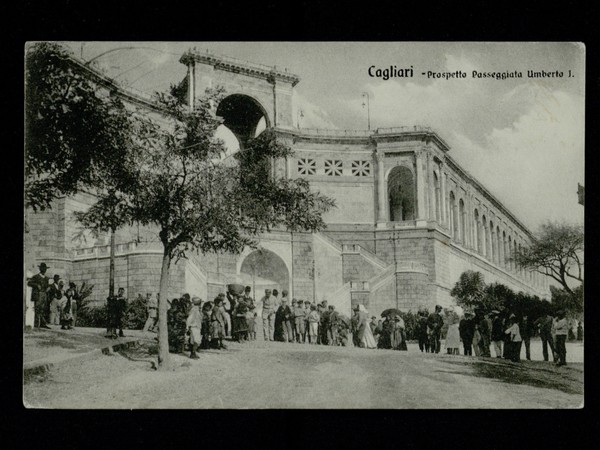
(469, 289)
(75, 133)
(569, 302)
(199, 203)
(556, 252)
(498, 296)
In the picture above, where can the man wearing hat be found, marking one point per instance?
(152, 308)
(435, 321)
(268, 315)
(466, 329)
(39, 284)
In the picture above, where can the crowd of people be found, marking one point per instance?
(53, 303)
(478, 332)
(234, 314)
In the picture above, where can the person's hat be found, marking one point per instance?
(438, 307)
(374, 317)
(43, 266)
(267, 291)
(247, 289)
(300, 301)
(221, 295)
(294, 300)
(56, 276)
(61, 282)
(197, 301)
(72, 284)
(275, 292)
(495, 311)
(284, 292)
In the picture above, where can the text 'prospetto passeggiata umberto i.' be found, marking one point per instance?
(498, 75)
(397, 72)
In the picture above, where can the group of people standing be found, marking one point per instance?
(506, 332)
(53, 304)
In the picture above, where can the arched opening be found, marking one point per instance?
(243, 116)
(401, 194)
(262, 269)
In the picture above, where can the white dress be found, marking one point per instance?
(453, 336)
(368, 341)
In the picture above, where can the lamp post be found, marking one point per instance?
(366, 95)
(299, 116)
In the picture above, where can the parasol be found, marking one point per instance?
(391, 311)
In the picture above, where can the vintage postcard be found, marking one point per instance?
(317, 225)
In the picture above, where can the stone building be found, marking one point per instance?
(409, 220)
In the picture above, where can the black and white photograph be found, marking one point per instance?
(303, 225)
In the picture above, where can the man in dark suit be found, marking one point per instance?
(39, 284)
(435, 321)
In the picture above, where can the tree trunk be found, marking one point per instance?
(111, 276)
(163, 336)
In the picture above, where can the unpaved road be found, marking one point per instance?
(278, 375)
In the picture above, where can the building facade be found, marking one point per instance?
(408, 219)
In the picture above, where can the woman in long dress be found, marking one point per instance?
(366, 335)
(453, 336)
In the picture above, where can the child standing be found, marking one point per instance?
(194, 326)
(313, 323)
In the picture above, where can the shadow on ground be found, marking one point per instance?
(568, 380)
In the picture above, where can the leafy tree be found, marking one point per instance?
(199, 203)
(469, 289)
(556, 252)
(569, 302)
(75, 133)
(497, 296)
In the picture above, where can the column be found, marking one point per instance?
(191, 85)
(443, 196)
(381, 196)
(421, 211)
(431, 187)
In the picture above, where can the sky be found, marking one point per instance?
(522, 138)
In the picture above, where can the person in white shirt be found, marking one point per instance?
(561, 328)
(515, 339)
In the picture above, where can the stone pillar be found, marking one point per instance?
(464, 228)
(456, 221)
(421, 211)
(191, 85)
(431, 187)
(443, 196)
(381, 191)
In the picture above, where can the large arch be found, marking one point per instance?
(243, 116)
(263, 269)
(401, 194)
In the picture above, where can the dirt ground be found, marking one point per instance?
(261, 375)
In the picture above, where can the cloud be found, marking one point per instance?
(533, 166)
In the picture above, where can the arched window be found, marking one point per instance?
(401, 194)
